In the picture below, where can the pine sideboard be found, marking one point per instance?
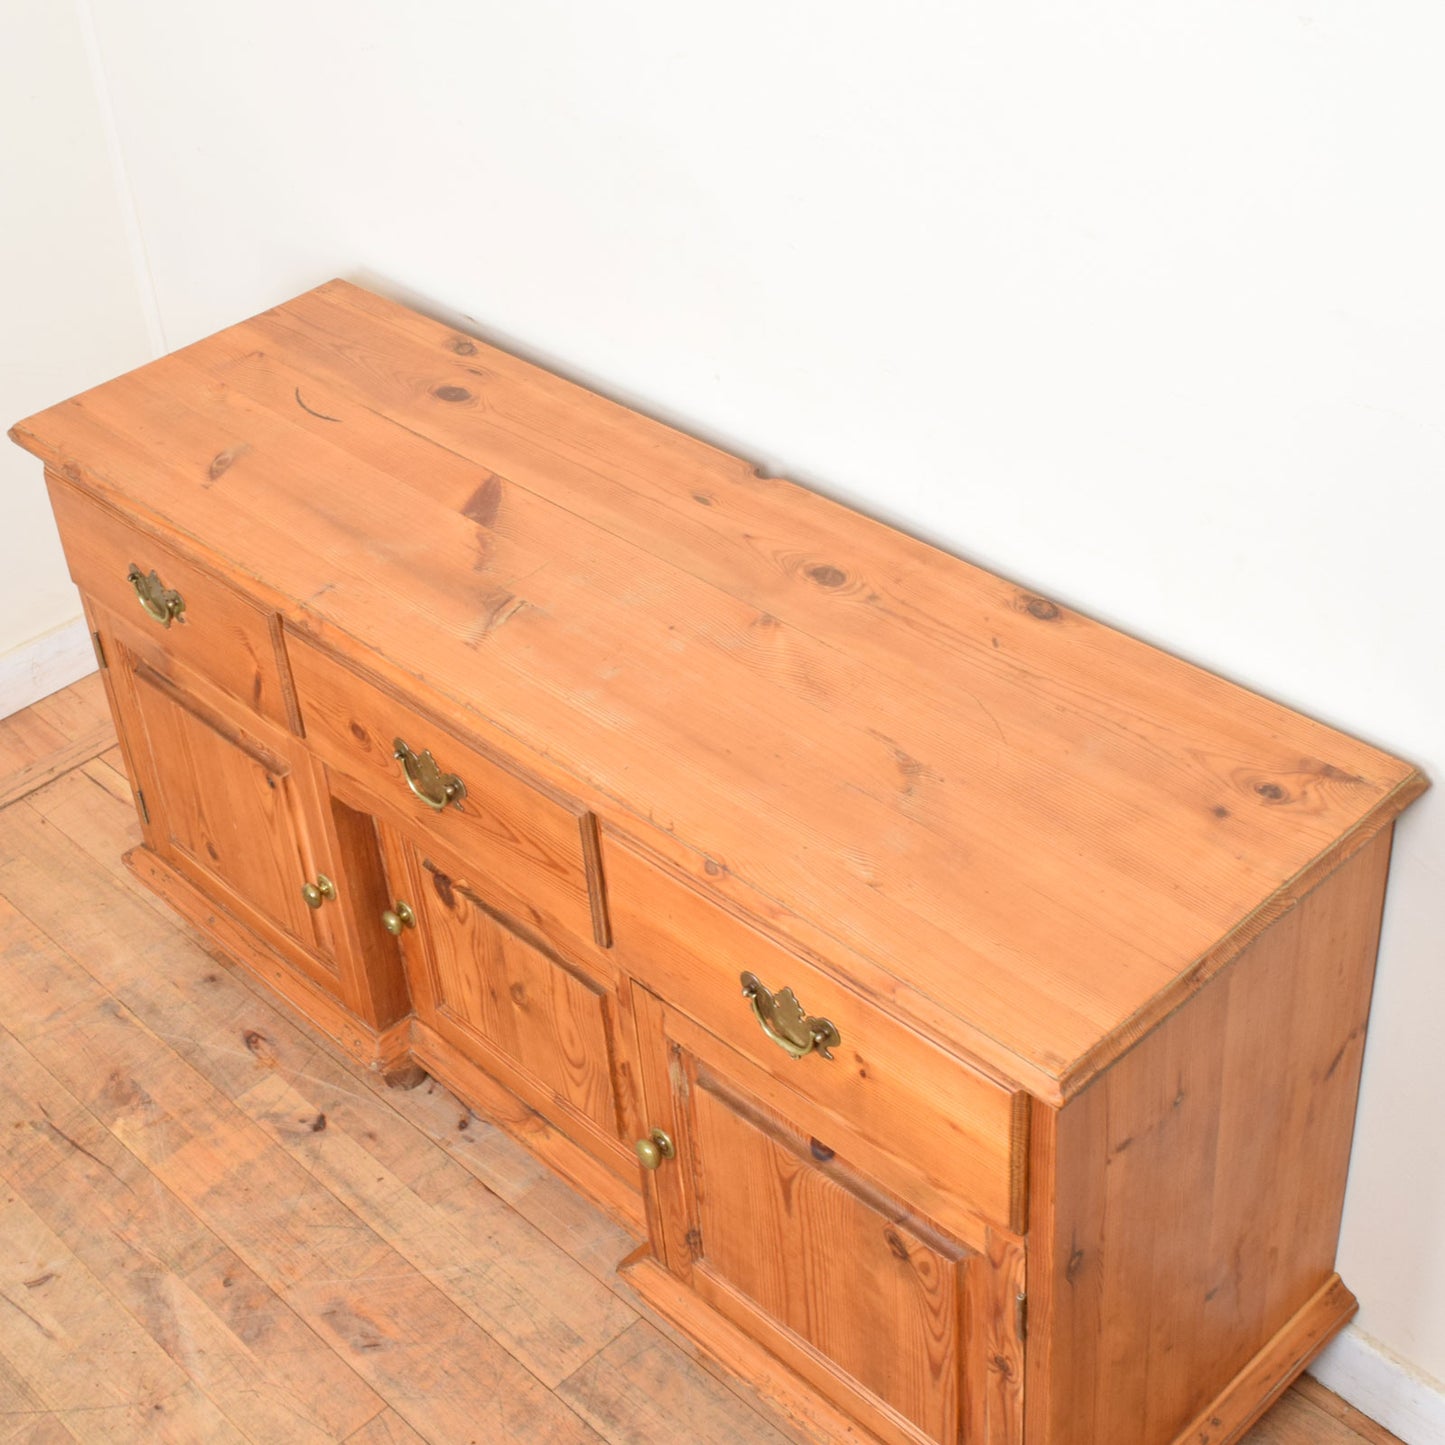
(961, 1001)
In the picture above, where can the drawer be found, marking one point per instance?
(534, 851)
(218, 632)
(959, 1138)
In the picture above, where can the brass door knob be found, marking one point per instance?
(395, 919)
(318, 892)
(654, 1149)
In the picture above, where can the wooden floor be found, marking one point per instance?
(214, 1228)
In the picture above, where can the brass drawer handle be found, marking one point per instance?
(318, 892)
(163, 603)
(654, 1149)
(785, 1023)
(395, 919)
(435, 788)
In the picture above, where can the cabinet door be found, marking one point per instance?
(508, 1000)
(911, 1332)
(231, 802)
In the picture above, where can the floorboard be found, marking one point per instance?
(54, 735)
(219, 1229)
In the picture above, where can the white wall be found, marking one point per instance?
(1139, 303)
(70, 315)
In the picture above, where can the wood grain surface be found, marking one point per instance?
(220, 1228)
(548, 1018)
(883, 1080)
(1195, 1208)
(879, 750)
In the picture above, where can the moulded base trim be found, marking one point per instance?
(741, 1360)
(622, 1199)
(1271, 1372)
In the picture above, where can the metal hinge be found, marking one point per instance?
(1021, 1317)
(99, 646)
(145, 812)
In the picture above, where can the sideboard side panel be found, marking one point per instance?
(1189, 1207)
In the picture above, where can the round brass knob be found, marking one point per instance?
(654, 1149)
(318, 892)
(395, 919)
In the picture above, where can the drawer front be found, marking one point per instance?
(537, 852)
(959, 1138)
(215, 630)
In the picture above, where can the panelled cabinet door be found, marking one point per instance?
(503, 996)
(912, 1333)
(231, 802)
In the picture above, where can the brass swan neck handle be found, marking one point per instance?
(784, 1022)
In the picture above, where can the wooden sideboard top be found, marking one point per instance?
(1027, 833)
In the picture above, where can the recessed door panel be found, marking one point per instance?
(877, 1297)
(905, 1328)
(229, 806)
(506, 999)
(529, 1004)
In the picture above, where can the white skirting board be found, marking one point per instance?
(1382, 1386)
(44, 665)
